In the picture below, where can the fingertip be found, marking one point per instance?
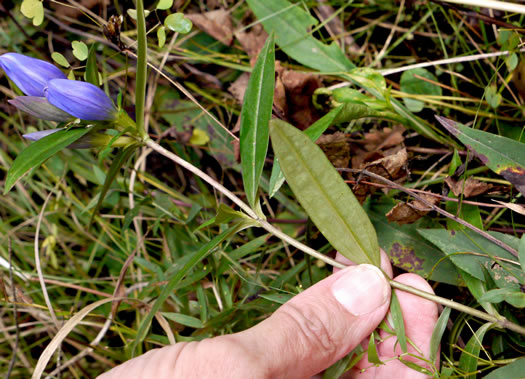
(386, 266)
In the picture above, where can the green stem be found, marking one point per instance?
(500, 321)
(142, 69)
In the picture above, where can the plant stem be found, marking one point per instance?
(263, 224)
(500, 321)
(142, 69)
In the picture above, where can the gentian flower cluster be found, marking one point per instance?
(45, 85)
(51, 96)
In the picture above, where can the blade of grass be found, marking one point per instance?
(172, 283)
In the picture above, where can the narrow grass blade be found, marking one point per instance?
(91, 67)
(38, 152)
(121, 158)
(437, 334)
(62, 334)
(175, 279)
(324, 195)
(399, 323)
(468, 362)
(255, 116)
(521, 252)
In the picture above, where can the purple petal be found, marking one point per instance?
(29, 74)
(85, 142)
(35, 136)
(39, 107)
(80, 99)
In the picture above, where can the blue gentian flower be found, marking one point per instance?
(31, 75)
(39, 107)
(80, 99)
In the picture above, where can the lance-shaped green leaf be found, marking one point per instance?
(291, 26)
(513, 370)
(343, 113)
(437, 334)
(504, 156)
(399, 323)
(255, 116)
(468, 362)
(91, 66)
(324, 195)
(38, 152)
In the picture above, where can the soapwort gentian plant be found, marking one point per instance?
(84, 108)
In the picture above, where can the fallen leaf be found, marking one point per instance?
(75, 12)
(335, 26)
(336, 148)
(252, 41)
(515, 207)
(469, 188)
(216, 23)
(408, 213)
(279, 97)
(386, 137)
(299, 88)
(203, 78)
(238, 87)
(392, 167)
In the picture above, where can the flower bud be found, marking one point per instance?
(31, 75)
(39, 107)
(80, 99)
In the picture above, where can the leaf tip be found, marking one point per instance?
(448, 124)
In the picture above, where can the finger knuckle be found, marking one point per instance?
(313, 330)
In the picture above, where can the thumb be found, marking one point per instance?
(322, 324)
(303, 337)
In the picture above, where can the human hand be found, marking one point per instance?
(304, 336)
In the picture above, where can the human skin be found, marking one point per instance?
(304, 336)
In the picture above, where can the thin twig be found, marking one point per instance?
(435, 208)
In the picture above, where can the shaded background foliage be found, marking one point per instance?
(249, 275)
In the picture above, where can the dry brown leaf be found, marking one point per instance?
(203, 78)
(252, 41)
(335, 26)
(74, 12)
(515, 207)
(279, 97)
(404, 213)
(336, 148)
(299, 90)
(469, 188)
(392, 167)
(217, 24)
(238, 87)
(384, 138)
